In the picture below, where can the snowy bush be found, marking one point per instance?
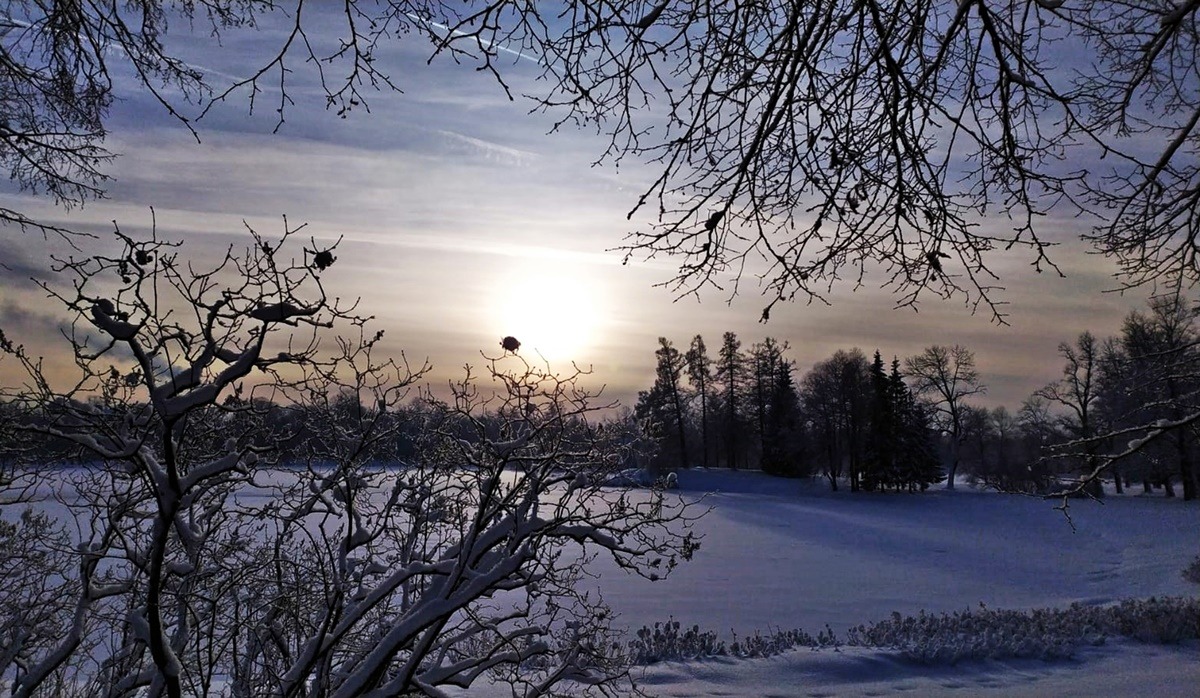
(947, 638)
(1192, 571)
(667, 642)
(778, 642)
(191, 560)
(1043, 633)
(1161, 621)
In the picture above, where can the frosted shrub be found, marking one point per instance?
(1192, 571)
(1043, 633)
(667, 642)
(1160, 621)
(778, 642)
(948, 638)
(226, 528)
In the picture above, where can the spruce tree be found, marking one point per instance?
(879, 466)
(765, 360)
(662, 408)
(916, 457)
(699, 370)
(730, 375)
(782, 448)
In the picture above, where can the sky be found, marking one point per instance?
(463, 220)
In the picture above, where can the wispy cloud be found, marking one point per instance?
(488, 150)
(444, 192)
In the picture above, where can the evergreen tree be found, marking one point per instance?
(699, 370)
(782, 447)
(730, 376)
(916, 457)
(879, 466)
(765, 361)
(662, 408)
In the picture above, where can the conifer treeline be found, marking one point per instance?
(847, 420)
(1125, 409)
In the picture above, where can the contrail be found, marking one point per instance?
(482, 42)
(8, 23)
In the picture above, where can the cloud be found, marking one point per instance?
(442, 190)
(16, 264)
(22, 323)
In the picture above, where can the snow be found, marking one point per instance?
(1124, 669)
(781, 554)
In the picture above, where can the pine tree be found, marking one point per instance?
(765, 361)
(699, 370)
(782, 449)
(879, 466)
(730, 376)
(662, 408)
(916, 457)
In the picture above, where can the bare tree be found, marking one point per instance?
(469, 560)
(946, 376)
(979, 439)
(1038, 432)
(1078, 391)
(836, 394)
(193, 561)
(822, 136)
(1151, 378)
(821, 139)
(57, 84)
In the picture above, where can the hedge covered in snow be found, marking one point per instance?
(948, 638)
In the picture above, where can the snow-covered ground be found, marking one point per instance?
(1122, 669)
(783, 554)
(780, 554)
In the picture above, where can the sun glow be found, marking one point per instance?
(554, 312)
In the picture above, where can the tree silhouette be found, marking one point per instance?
(819, 138)
(947, 375)
(1078, 391)
(226, 525)
(699, 372)
(663, 407)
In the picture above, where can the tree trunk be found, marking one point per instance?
(1186, 476)
(955, 449)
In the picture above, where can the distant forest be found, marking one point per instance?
(1123, 411)
(906, 424)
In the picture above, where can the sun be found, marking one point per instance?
(555, 312)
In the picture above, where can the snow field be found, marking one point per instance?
(782, 554)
